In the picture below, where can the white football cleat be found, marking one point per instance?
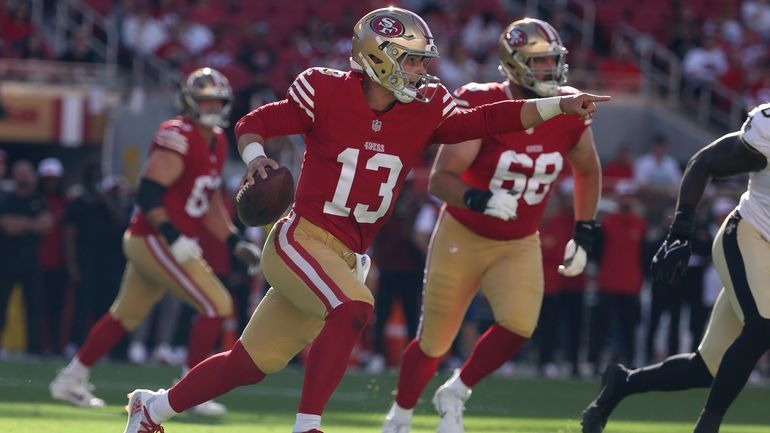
(138, 409)
(74, 389)
(208, 408)
(376, 365)
(450, 404)
(395, 424)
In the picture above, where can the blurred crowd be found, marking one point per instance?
(64, 249)
(60, 232)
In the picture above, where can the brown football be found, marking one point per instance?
(267, 199)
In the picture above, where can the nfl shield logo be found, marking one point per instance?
(376, 125)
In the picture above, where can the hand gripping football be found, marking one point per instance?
(266, 200)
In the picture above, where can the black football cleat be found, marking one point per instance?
(596, 414)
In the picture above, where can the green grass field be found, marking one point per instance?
(498, 405)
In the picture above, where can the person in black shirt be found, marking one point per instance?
(23, 219)
(93, 228)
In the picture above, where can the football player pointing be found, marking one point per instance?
(738, 331)
(178, 197)
(496, 189)
(364, 130)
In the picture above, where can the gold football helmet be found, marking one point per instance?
(382, 40)
(205, 84)
(530, 38)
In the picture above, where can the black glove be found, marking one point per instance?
(585, 234)
(577, 249)
(670, 262)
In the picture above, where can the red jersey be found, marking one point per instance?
(187, 200)
(355, 158)
(527, 162)
(620, 268)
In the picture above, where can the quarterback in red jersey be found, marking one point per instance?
(177, 199)
(495, 190)
(364, 130)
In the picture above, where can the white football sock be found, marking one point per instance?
(160, 409)
(306, 422)
(76, 368)
(400, 414)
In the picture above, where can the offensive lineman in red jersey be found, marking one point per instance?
(177, 199)
(363, 133)
(498, 249)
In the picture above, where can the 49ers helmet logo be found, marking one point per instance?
(516, 38)
(387, 26)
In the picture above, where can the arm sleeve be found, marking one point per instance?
(487, 119)
(273, 120)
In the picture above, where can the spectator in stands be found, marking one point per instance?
(94, 222)
(400, 263)
(657, 171)
(735, 75)
(620, 70)
(621, 167)
(163, 320)
(481, 34)
(194, 36)
(34, 47)
(699, 261)
(758, 90)
(685, 30)
(18, 27)
(173, 50)
(666, 298)
(726, 26)
(257, 54)
(141, 32)
(79, 50)
(703, 65)
(555, 232)
(51, 251)
(620, 277)
(24, 218)
(458, 67)
(756, 15)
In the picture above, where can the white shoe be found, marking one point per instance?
(138, 409)
(450, 404)
(376, 364)
(208, 408)
(137, 353)
(395, 424)
(74, 389)
(163, 354)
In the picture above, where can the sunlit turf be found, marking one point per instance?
(498, 405)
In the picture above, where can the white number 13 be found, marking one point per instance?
(349, 160)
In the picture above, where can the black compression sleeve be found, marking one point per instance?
(150, 195)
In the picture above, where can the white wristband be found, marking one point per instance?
(548, 107)
(252, 151)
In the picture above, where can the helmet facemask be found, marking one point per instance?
(383, 41)
(544, 81)
(521, 44)
(207, 84)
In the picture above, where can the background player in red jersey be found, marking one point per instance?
(496, 190)
(177, 199)
(363, 133)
